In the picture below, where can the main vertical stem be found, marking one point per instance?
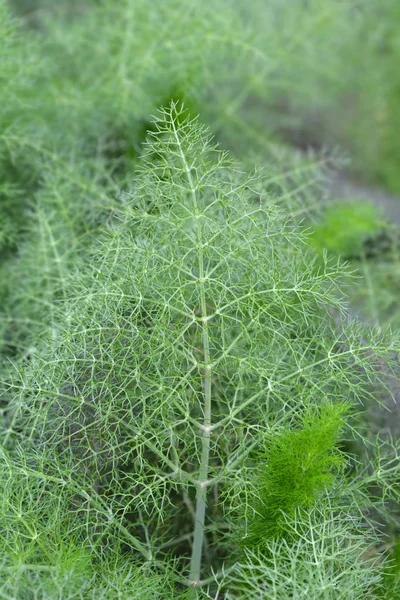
(201, 498)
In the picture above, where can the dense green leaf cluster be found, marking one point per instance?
(297, 465)
(345, 227)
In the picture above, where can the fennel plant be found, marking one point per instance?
(193, 348)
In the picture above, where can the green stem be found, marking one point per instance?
(201, 497)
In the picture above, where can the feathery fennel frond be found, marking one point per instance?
(198, 326)
(296, 466)
(326, 556)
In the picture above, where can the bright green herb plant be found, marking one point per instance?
(345, 227)
(297, 465)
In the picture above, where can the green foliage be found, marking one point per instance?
(392, 572)
(164, 344)
(17, 73)
(35, 12)
(254, 72)
(345, 227)
(298, 464)
(75, 111)
(376, 297)
(196, 326)
(326, 557)
(378, 150)
(357, 232)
